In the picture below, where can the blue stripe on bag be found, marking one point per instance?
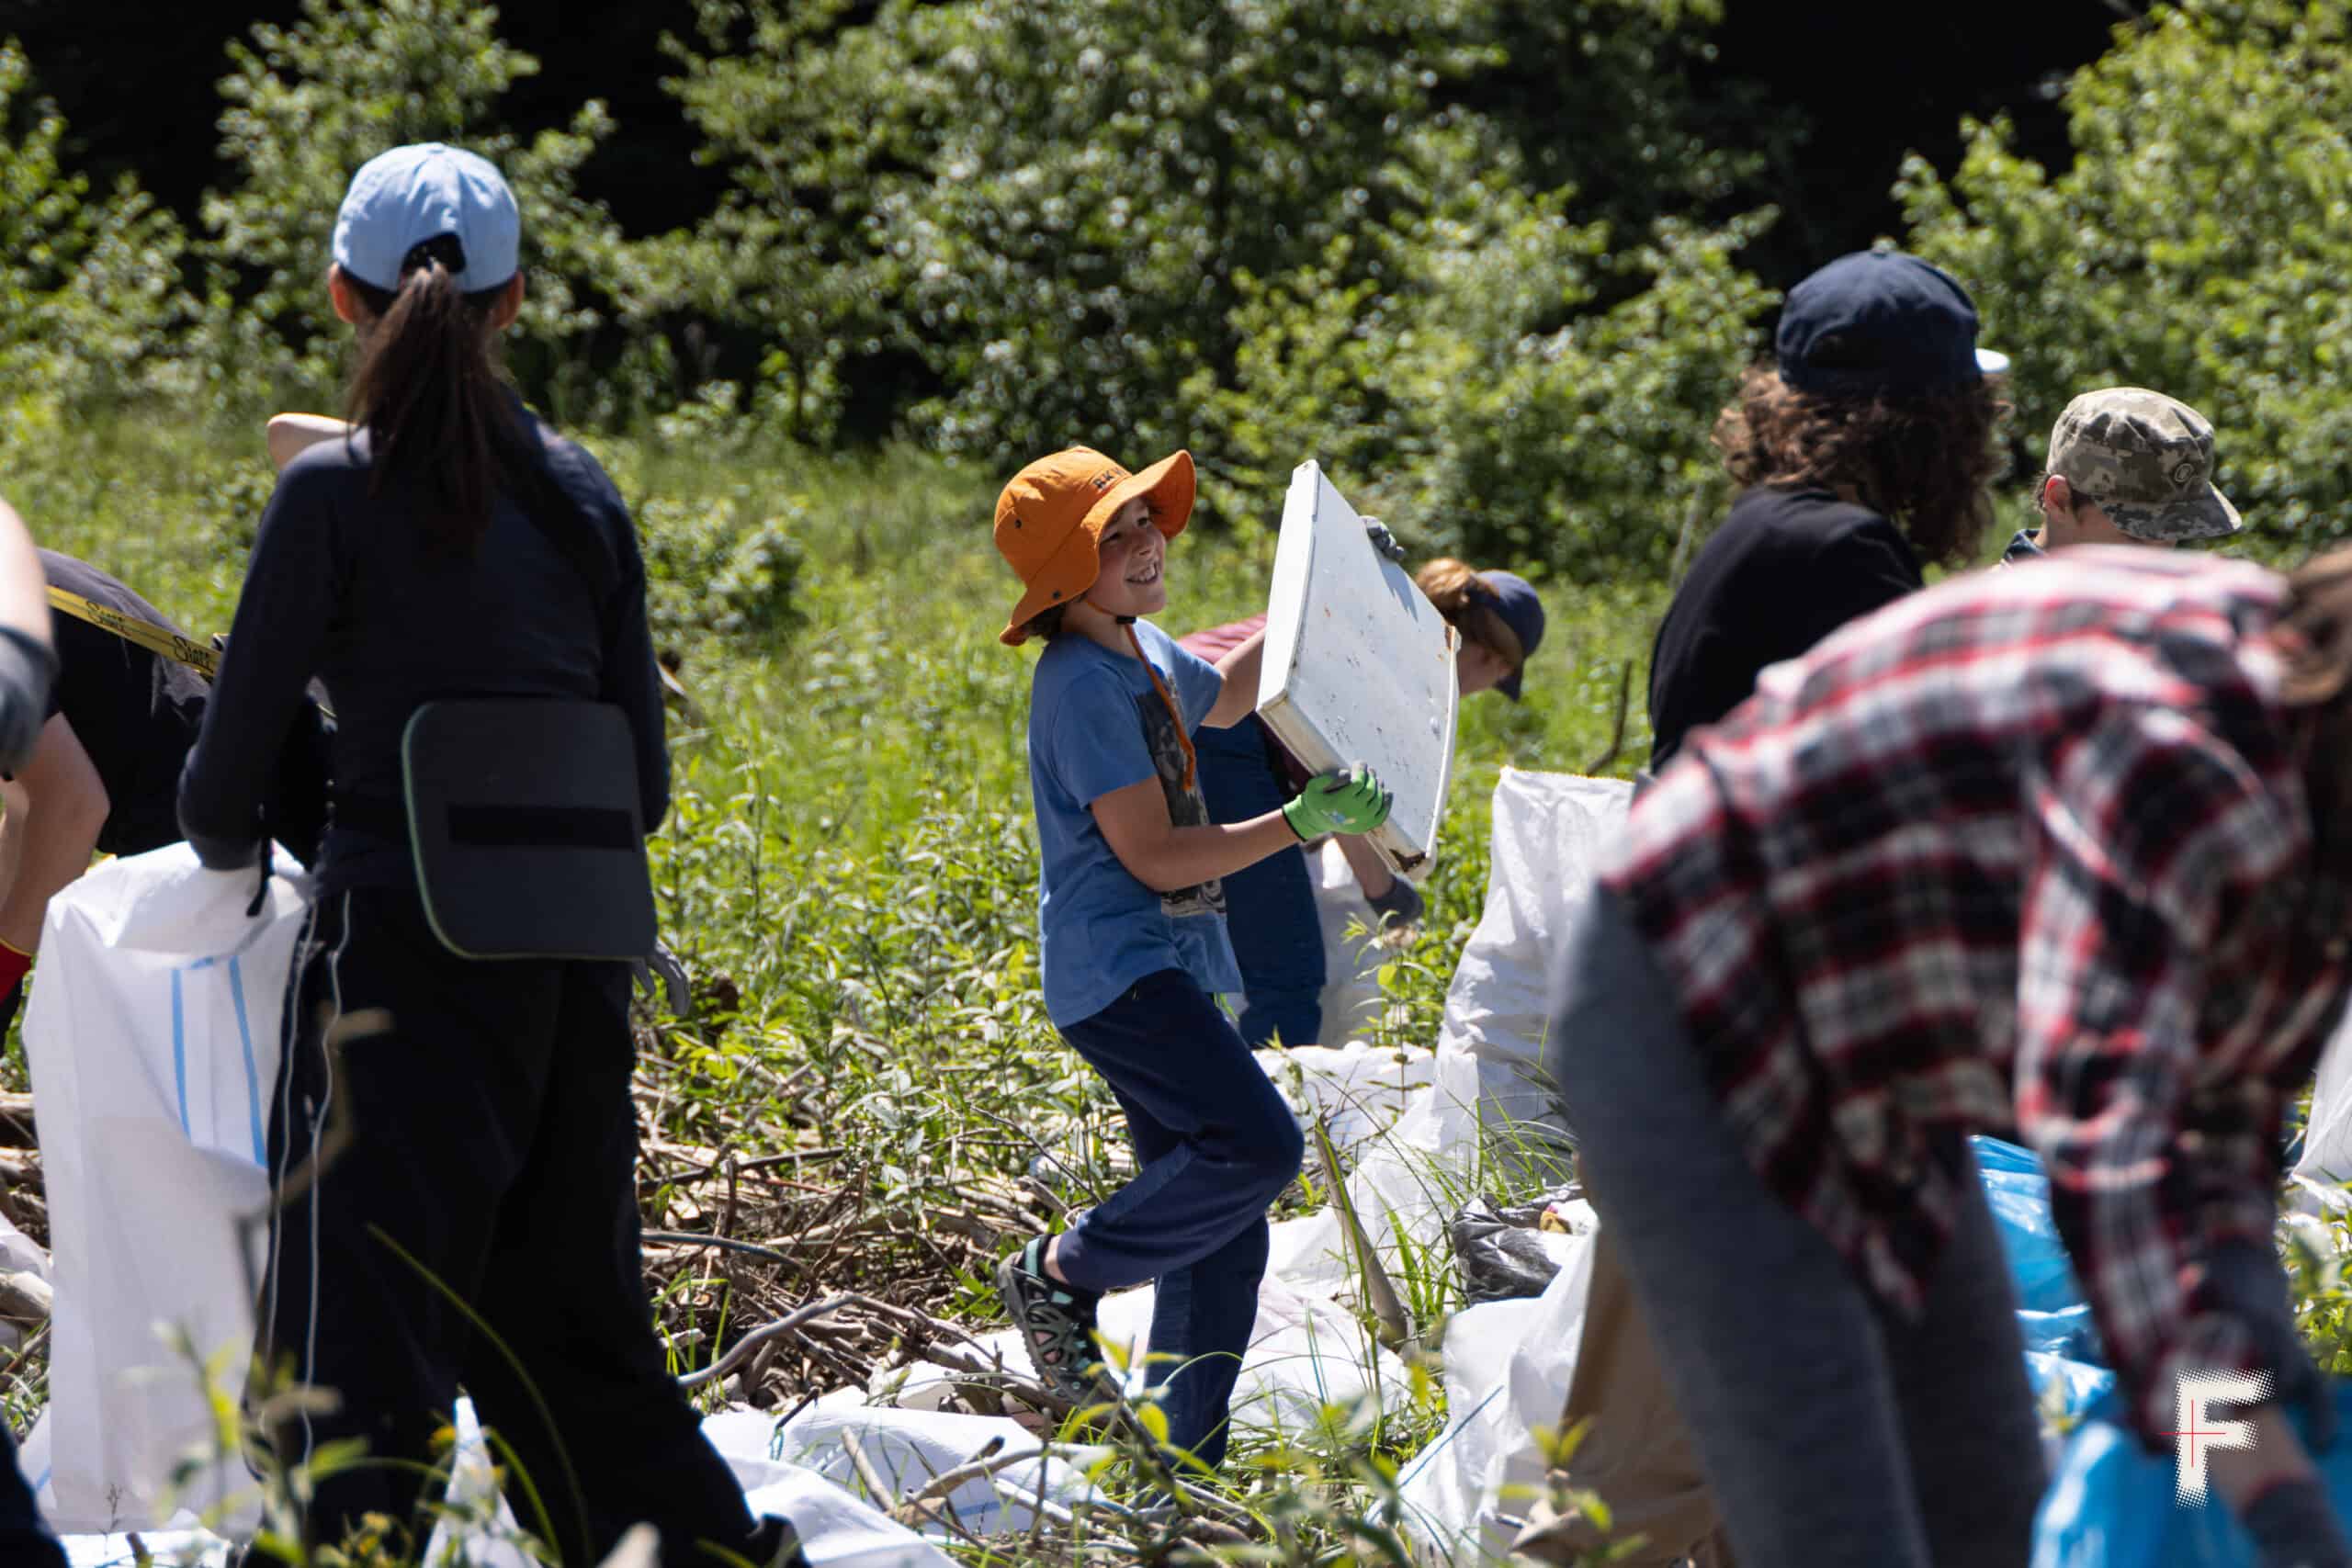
(179, 1051)
(252, 1078)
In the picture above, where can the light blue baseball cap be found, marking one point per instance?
(400, 198)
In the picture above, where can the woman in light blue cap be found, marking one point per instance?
(453, 1145)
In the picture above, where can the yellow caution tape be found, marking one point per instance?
(197, 656)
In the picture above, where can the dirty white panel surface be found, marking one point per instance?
(1359, 665)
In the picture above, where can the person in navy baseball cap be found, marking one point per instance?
(412, 197)
(1880, 322)
(1511, 600)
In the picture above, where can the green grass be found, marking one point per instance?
(850, 871)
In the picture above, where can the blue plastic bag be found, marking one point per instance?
(2111, 1503)
(2020, 1195)
(2082, 1386)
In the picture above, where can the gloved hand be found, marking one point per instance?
(1383, 541)
(1348, 800)
(2294, 1526)
(1401, 905)
(2248, 1283)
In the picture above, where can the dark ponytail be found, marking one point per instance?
(428, 390)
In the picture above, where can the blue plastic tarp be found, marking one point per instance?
(2111, 1504)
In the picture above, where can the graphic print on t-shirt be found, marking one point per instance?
(1186, 807)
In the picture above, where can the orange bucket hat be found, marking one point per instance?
(1049, 522)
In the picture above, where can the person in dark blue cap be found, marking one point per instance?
(1269, 907)
(453, 1143)
(1865, 447)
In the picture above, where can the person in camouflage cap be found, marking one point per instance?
(2127, 466)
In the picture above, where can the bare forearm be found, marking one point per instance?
(2239, 1474)
(50, 855)
(23, 589)
(1239, 667)
(1372, 872)
(1188, 856)
(12, 841)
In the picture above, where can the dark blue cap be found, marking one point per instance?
(1880, 322)
(1510, 597)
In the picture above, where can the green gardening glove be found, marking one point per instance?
(1348, 800)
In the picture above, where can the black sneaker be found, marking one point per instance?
(1057, 1324)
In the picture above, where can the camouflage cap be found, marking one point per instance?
(2147, 459)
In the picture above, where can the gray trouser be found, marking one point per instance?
(1834, 1434)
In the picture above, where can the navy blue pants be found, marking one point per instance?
(1217, 1145)
(24, 1541)
(1270, 906)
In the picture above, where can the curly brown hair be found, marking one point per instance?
(2313, 637)
(1922, 458)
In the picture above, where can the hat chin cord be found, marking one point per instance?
(1167, 698)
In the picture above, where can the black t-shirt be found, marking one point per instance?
(1787, 568)
(345, 585)
(135, 712)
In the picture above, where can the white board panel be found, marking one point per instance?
(1359, 665)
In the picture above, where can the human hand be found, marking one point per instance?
(1347, 800)
(1383, 541)
(2247, 1283)
(2294, 1526)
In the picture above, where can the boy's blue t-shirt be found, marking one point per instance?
(1097, 725)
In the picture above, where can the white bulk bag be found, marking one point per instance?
(1550, 830)
(153, 1033)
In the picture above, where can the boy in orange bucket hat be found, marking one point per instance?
(1132, 943)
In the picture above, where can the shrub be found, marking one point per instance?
(708, 571)
(1069, 216)
(305, 106)
(1517, 390)
(90, 284)
(2196, 245)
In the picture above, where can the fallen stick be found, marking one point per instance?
(872, 1478)
(986, 1462)
(24, 1297)
(728, 1243)
(741, 1351)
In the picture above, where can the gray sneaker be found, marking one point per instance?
(1057, 1324)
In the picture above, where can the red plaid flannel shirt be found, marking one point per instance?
(2026, 853)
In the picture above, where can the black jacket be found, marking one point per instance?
(1787, 568)
(345, 585)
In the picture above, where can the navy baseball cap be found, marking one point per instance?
(1880, 322)
(1510, 597)
(400, 198)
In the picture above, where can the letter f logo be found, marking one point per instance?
(2199, 1434)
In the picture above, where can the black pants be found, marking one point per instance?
(475, 1116)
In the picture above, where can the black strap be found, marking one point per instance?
(544, 827)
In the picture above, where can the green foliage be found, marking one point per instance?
(709, 570)
(1267, 230)
(305, 106)
(2197, 245)
(1485, 396)
(90, 300)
